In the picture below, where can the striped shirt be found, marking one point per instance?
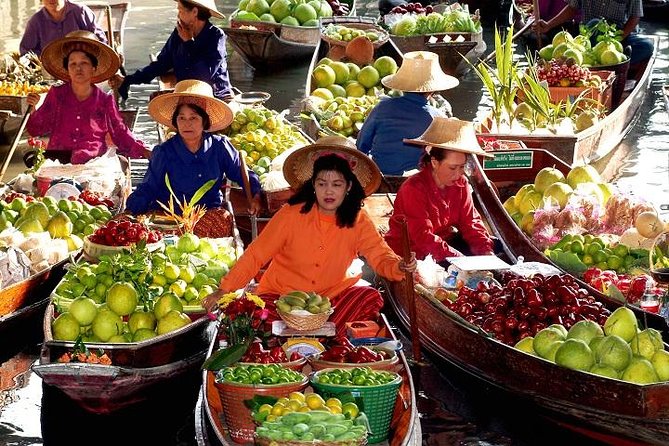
(615, 11)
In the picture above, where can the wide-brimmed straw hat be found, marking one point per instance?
(451, 134)
(54, 53)
(299, 166)
(208, 4)
(191, 91)
(420, 72)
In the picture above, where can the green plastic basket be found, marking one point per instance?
(378, 402)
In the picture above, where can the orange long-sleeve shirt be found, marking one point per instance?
(309, 252)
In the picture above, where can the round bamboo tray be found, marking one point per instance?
(383, 35)
(305, 322)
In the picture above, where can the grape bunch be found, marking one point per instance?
(559, 73)
(412, 7)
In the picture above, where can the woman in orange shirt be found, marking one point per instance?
(313, 240)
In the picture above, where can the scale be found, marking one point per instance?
(304, 342)
(62, 189)
(252, 98)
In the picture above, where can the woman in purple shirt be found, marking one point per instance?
(77, 116)
(54, 21)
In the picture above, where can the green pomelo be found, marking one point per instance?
(65, 328)
(173, 320)
(640, 371)
(84, 310)
(647, 343)
(613, 352)
(544, 339)
(575, 354)
(585, 331)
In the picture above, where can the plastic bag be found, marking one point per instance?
(431, 274)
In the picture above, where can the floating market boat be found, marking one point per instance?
(269, 46)
(596, 141)
(112, 19)
(211, 429)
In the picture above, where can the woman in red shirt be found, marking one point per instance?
(437, 201)
(313, 240)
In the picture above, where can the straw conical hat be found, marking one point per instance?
(190, 91)
(420, 73)
(299, 166)
(208, 4)
(54, 53)
(451, 134)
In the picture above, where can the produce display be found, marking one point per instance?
(287, 12)
(305, 403)
(257, 353)
(358, 377)
(521, 307)
(134, 295)
(314, 426)
(415, 20)
(123, 232)
(13, 88)
(566, 73)
(20, 75)
(261, 135)
(631, 287)
(265, 374)
(341, 350)
(301, 302)
(346, 34)
(616, 349)
(608, 51)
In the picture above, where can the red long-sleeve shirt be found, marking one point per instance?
(309, 252)
(431, 213)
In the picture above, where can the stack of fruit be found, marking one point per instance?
(123, 232)
(18, 88)
(605, 53)
(257, 353)
(619, 350)
(297, 402)
(261, 135)
(341, 350)
(414, 20)
(285, 12)
(299, 302)
(342, 33)
(266, 374)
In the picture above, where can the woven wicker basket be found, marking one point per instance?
(386, 364)
(267, 442)
(383, 35)
(305, 322)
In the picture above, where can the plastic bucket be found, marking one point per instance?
(378, 402)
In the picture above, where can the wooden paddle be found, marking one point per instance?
(409, 289)
(522, 30)
(15, 142)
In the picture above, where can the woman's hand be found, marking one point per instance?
(185, 32)
(115, 81)
(147, 153)
(210, 303)
(256, 205)
(32, 99)
(541, 27)
(409, 267)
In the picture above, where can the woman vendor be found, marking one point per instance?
(194, 155)
(437, 201)
(406, 116)
(77, 116)
(313, 240)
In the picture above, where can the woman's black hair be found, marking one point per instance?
(347, 212)
(437, 153)
(92, 58)
(206, 123)
(202, 13)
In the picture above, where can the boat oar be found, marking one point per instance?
(409, 290)
(537, 17)
(522, 30)
(249, 197)
(15, 142)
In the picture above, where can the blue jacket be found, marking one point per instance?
(187, 171)
(389, 122)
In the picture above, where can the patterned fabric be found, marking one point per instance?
(616, 11)
(389, 122)
(356, 303)
(41, 29)
(202, 58)
(431, 215)
(81, 127)
(217, 159)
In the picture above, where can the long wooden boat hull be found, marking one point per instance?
(665, 94)
(595, 142)
(210, 428)
(588, 401)
(103, 389)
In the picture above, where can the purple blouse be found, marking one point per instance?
(42, 29)
(82, 126)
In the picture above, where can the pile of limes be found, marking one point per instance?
(267, 374)
(595, 251)
(358, 376)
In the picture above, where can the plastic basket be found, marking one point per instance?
(378, 402)
(305, 322)
(241, 426)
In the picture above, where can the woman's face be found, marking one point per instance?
(331, 188)
(189, 124)
(450, 169)
(80, 68)
(186, 17)
(53, 7)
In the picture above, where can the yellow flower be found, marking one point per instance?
(226, 299)
(255, 299)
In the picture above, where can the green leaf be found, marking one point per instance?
(258, 400)
(226, 356)
(616, 294)
(197, 196)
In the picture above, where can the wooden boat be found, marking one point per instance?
(136, 369)
(595, 142)
(210, 428)
(665, 94)
(112, 19)
(268, 46)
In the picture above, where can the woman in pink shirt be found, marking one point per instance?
(77, 116)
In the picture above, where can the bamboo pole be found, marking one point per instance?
(410, 292)
(537, 17)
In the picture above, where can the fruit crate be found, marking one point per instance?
(15, 104)
(603, 94)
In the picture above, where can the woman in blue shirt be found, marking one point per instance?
(193, 156)
(194, 50)
(406, 116)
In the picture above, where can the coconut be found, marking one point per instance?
(648, 224)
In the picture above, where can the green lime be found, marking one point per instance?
(576, 246)
(599, 256)
(588, 238)
(578, 237)
(602, 265)
(594, 247)
(588, 260)
(621, 251)
(614, 262)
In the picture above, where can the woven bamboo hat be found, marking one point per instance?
(420, 72)
(299, 166)
(450, 134)
(208, 4)
(54, 53)
(191, 91)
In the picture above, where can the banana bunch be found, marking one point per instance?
(303, 301)
(8, 88)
